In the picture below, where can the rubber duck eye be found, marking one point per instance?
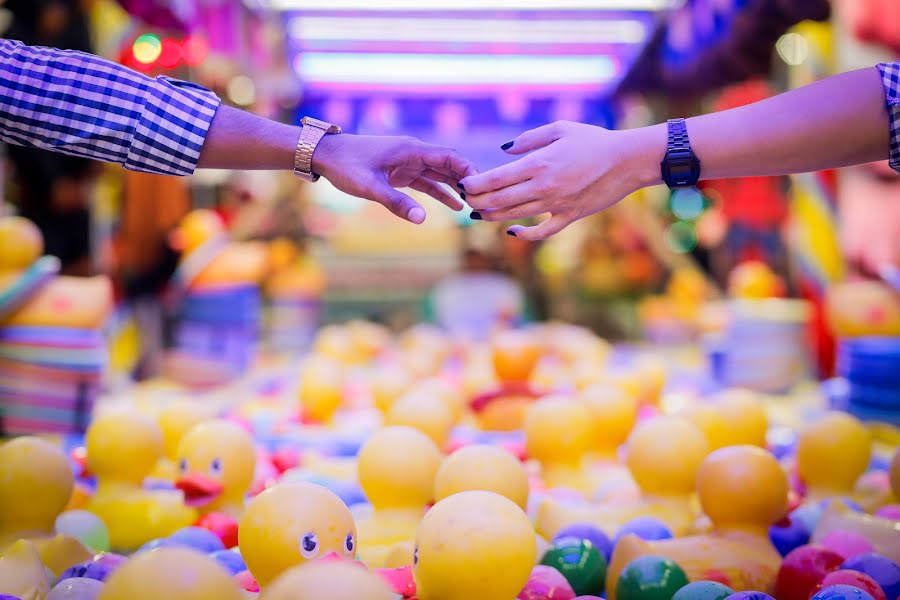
(348, 543)
(309, 545)
(416, 555)
(215, 467)
(183, 465)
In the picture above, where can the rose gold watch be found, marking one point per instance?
(311, 133)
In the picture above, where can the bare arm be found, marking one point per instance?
(572, 170)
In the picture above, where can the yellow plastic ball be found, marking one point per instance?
(426, 412)
(290, 524)
(397, 467)
(344, 580)
(474, 545)
(170, 573)
(833, 451)
(439, 388)
(321, 388)
(741, 486)
(711, 422)
(753, 280)
(386, 384)
(21, 243)
(197, 227)
(515, 355)
(613, 413)
(176, 419)
(35, 484)
(746, 417)
(123, 446)
(650, 377)
(664, 454)
(558, 430)
(334, 342)
(482, 467)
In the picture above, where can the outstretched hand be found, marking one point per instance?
(569, 171)
(373, 167)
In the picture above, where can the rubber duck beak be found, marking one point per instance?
(199, 490)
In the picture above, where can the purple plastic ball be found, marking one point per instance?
(882, 569)
(789, 535)
(841, 592)
(158, 543)
(76, 588)
(9, 597)
(197, 538)
(230, 560)
(750, 596)
(646, 528)
(585, 531)
(891, 511)
(808, 514)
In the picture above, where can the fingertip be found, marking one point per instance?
(416, 215)
(507, 145)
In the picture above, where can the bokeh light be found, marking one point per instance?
(687, 203)
(170, 55)
(681, 237)
(195, 50)
(147, 48)
(793, 49)
(241, 90)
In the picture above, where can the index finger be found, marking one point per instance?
(499, 178)
(447, 161)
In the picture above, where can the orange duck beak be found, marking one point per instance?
(199, 490)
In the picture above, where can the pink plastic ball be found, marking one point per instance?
(891, 511)
(847, 543)
(546, 583)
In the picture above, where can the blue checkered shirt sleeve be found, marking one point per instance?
(890, 73)
(81, 104)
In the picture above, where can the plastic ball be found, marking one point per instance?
(847, 543)
(335, 580)
(84, 526)
(802, 569)
(473, 545)
(230, 560)
(76, 588)
(880, 568)
(710, 420)
(664, 455)
(809, 515)
(224, 526)
(614, 414)
(788, 535)
(746, 417)
(558, 430)
(580, 562)
(246, 581)
(321, 388)
(646, 528)
(99, 568)
(841, 592)
(703, 590)
(482, 467)
(586, 531)
(429, 414)
(123, 445)
(854, 578)
(546, 583)
(753, 280)
(173, 574)
(833, 451)
(515, 355)
(197, 538)
(650, 578)
(397, 467)
(158, 543)
(890, 512)
(750, 596)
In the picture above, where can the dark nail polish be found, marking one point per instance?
(461, 186)
(475, 215)
(507, 145)
(511, 232)
(462, 195)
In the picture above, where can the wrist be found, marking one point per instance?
(644, 150)
(325, 156)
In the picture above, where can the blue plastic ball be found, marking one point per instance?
(851, 504)
(646, 528)
(232, 561)
(99, 568)
(9, 597)
(841, 592)
(703, 590)
(586, 531)
(750, 596)
(157, 543)
(197, 538)
(76, 588)
(882, 569)
(808, 514)
(789, 536)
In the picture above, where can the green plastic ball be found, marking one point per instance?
(86, 527)
(703, 590)
(580, 562)
(650, 578)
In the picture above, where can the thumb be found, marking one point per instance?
(534, 138)
(395, 201)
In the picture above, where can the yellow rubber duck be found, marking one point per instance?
(745, 415)
(396, 469)
(290, 524)
(663, 457)
(176, 419)
(711, 421)
(474, 544)
(123, 447)
(54, 301)
(321, 388)
(832, 453)
(320, 580)
(216, 462)
(743, 490)
(558, 434)
(613, 414)
(428, 413)
(482, 467)
(170, 573)
(22, 574)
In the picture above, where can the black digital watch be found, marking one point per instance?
(680, 167)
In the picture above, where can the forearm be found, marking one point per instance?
(837, 122)
(242, 140)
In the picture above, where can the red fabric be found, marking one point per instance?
(756, 202)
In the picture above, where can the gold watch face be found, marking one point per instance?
(318, 124)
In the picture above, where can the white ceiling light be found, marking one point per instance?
(465, 5)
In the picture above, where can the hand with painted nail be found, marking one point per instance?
(569, 171)
(374, 167)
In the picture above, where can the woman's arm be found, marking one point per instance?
(573, 170)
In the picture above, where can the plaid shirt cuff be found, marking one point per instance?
(890, 74)
(170, 132)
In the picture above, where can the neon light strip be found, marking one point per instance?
(309, 28)
(441, 69)
(467, 5)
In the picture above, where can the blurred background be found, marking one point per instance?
(470, 74)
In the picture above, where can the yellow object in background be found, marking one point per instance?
(321, 388)
(428, 413)
(331, 580)
(832, 453)
(754, 280)
(863, 308)
(474, 545)
(482, 467)
(745, 415)
(22, 574)
(558, 434)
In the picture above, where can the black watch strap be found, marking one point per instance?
(680, 167)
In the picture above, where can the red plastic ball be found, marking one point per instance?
(854, 578)
(224, 526)
(246, 581)
(802, 569)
